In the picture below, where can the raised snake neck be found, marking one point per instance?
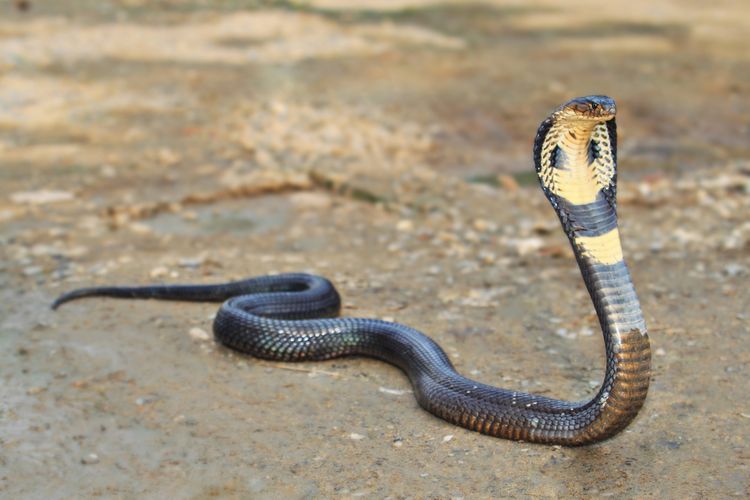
(290, 317)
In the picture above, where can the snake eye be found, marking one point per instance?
(594, 106)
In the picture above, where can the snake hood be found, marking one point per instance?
(575, 155)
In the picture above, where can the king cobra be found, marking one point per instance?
(292, 317)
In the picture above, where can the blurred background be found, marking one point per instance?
(385, 144)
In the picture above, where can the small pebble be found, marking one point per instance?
(482, 225)
(191, 262)
(526, 246)
(199, 334)
(310, 200)
(108, 171)
(32, 271)
(40, 197)
(395, 392)
(356, 437)
(146, 400)
(140, 228)
(586, 332)
(159, 272)
(565, 333)
(734, 270)
(90, 459)
(405, 226)
(660, 352)
(447, 438)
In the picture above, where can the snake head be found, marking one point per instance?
(596, 108)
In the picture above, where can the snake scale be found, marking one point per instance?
(292, 317)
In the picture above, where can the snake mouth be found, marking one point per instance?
(596, 108)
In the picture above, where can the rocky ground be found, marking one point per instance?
(388, 148)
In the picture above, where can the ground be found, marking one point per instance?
(386, 146)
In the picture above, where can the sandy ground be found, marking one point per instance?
(387, 147)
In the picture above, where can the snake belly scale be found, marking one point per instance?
(293, 317)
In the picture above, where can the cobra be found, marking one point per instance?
(292, 317)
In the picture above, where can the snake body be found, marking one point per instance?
(292, 317)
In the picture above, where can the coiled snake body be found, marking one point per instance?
(291, 316)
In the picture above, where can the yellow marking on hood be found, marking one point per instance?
(604, 165)
(577, 180)
(603, 249)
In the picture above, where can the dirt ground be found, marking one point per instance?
(386, 145)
